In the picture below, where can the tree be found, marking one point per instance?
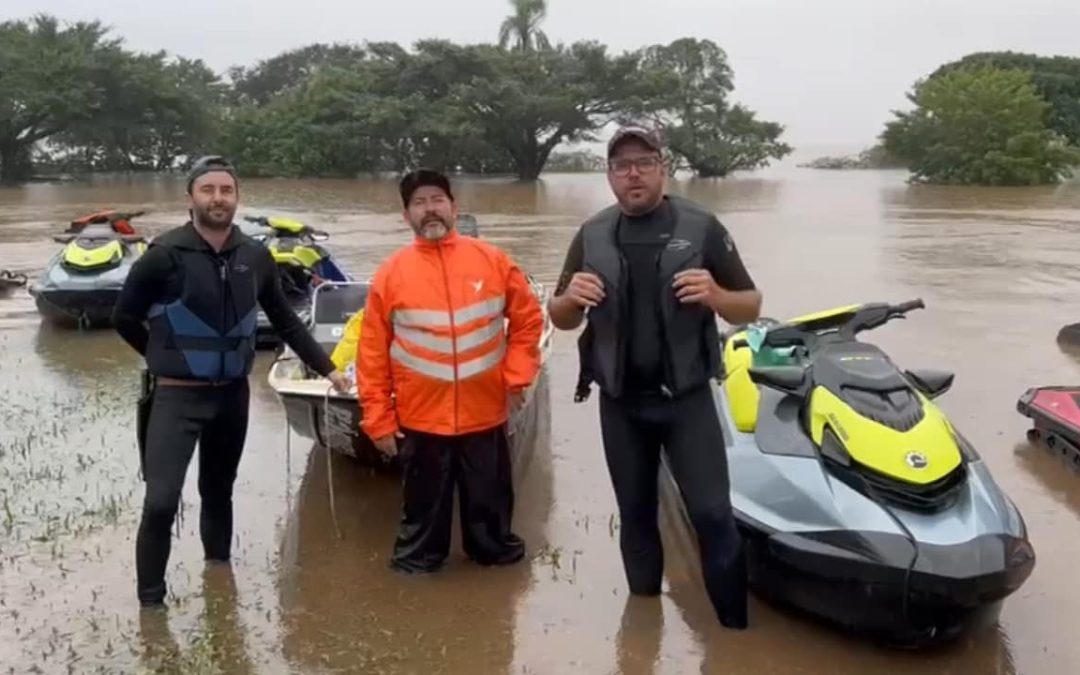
(45, 84)
(685, 90)
(270, 78)
(527, 103)
(1056, 79)
(152, 111)
(979, 125)
(522, 28)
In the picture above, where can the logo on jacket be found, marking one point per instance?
(240, 267)
(678, 244)
(477, 285)
(916, 460)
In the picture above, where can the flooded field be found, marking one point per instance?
(996, 268)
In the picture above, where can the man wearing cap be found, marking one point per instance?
(189, 306)
(448, 345)
(652, 273)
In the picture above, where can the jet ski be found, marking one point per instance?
(1055, 415)
(860, 503)
(82, 281)
(303, 264)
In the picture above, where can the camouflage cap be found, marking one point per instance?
(650, 137)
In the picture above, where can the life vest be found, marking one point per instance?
(433, 336)
(691, 346)
(344, 354)
(207, 331)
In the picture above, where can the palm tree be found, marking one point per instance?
(523, 26)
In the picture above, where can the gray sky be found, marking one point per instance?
(830, 70)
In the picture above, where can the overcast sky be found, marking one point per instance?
(830, 70)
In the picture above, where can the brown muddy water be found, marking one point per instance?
(997, 269)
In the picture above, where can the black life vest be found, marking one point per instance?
(691, 346)
(207, 332)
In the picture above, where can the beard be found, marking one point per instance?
(215, 216)
(432, 228)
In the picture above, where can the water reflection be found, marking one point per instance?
(218, 643)
(99, 354)
(343, 609)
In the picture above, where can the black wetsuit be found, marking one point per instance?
(192, 313)
(644, 415)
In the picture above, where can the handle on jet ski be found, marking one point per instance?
(905, 307)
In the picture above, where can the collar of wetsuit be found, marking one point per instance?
(191, 239)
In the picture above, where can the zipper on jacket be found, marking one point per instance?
(453, 331)
(224, 273)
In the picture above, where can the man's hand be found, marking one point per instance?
(388, 445)
(340, 382)
(698, 286)
(515, 399)
(585, 290)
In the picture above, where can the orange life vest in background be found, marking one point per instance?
(434, 336)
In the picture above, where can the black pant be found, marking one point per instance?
(479, 465)
(634, 429)
(217, 418)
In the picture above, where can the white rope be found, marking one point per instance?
(329, 458)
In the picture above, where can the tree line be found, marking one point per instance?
(991, 118)
(73, 98)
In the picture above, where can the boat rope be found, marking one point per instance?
(329, 458)
(326, 445)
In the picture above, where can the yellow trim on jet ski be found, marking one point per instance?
(304, 256)
(741, 391)
(77, 256)
(887, 450)
(286, 224)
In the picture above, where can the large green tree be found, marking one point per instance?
(1055, 78)
(685, 88)
(45, 84)
(979, 125)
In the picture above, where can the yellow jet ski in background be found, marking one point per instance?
(82, 282)
(302, 261)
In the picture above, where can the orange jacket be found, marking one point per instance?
(433, 335)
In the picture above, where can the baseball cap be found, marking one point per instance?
(650, 137)
(414, 180)
(205, 165)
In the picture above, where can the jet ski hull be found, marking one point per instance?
(1055, 416)
(859, 581)
(90, 309)
(819, 547)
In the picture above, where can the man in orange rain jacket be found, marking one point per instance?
(439, 371)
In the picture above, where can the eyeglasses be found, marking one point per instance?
(621, 167)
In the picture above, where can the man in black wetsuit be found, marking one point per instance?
(654, 271)
(190, 306)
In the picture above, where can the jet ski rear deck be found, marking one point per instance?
(1055, 413)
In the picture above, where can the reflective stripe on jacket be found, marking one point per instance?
(450, 329)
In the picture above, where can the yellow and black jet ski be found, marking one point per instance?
(302, 261)
(860, 502)
(81, 283)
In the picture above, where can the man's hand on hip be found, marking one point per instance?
(388, 445)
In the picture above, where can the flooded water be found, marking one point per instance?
(996, 268)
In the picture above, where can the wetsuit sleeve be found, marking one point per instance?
(574, 263)
(373, 362)
(522, 361)
(289, 326)
(144, 285)
(723, 261)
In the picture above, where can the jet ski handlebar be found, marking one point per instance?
(866, 317)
